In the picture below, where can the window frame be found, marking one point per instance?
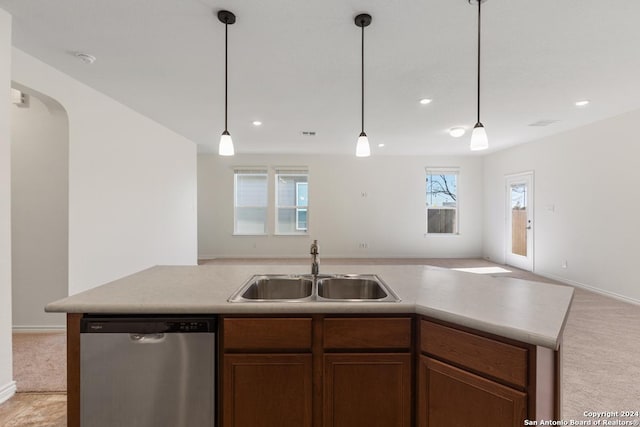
(443, 171)
(294, 172)
(250, 171)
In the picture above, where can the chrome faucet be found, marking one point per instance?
(315, 261)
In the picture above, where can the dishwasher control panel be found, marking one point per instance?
(143, 325)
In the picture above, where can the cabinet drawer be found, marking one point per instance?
(369, 333)
(267, 334)
(484, 355)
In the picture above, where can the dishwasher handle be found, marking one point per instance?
(147, 338)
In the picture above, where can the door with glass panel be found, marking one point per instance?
(519, 223)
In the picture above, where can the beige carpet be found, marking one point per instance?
(601, 356)
(40, 362)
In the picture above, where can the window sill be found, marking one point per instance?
(250, 234)
(441, 235)
(292, 234)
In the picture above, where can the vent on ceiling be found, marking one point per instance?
(541, 123)
(308, 133)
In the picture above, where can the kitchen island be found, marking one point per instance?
(453, 337)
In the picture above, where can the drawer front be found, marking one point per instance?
(484, 355)
(367, 333)
(267, 334)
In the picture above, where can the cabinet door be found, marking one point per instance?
(367, 390)
(452, 397)
(267, 390)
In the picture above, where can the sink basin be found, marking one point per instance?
(321, 288)
(275, 288)
(352, 287)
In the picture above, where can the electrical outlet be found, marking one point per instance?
(564, 264)
(363, 245)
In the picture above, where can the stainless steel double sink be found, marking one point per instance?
(321, 288)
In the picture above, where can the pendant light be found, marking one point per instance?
(226, 143)
(479, 140)
(362, 147)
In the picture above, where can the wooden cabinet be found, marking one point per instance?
(371, 385)
(318, 371)
(486, 356)
(452, 397)
(266, 372)
(367, 390)
(467, 379)
(267, 390)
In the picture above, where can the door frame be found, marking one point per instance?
(510, 179)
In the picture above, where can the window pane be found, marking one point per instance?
(251, 220)
(251, 190)
(301, 219)
(292, 190)
(441, 221)
(287, 220)
(442, 201)
(519, 219)
(442, 190)
(302, 196)
(250, 202)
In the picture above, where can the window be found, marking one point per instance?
(292, 201)
(442, 201)
(250, 191)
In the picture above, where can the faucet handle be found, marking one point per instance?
(314, 248)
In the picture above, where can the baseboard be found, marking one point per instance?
(7, 391)
(577, 284)
(38, 328)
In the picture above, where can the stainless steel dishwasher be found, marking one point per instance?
(147, 371)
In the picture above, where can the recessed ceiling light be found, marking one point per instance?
(380, 145)
(457, 132)
(582, 103)
(257, 123)
(425, 101)
(85, 57)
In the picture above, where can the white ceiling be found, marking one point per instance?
(294, 65)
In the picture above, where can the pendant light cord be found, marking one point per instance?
(362, 74)
(226, 28)
(479, 21)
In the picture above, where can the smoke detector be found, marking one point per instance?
(85, 57)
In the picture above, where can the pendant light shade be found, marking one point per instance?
(225, 148)
(362, 147)
(226, 145)
(479, 139)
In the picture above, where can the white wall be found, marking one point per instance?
(7, 386)
(132, 182)
(39, 210)
(391, 219)
(590, 177)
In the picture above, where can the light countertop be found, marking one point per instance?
(526, 311)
